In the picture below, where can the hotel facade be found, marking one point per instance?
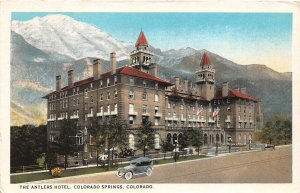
(134, 93)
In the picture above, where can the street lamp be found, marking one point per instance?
(249, 144)
(229, 141)
(175, 155)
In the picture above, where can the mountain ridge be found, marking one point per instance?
(33, 72)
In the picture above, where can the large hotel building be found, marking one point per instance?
(134, 93)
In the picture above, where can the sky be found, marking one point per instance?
(244, 38)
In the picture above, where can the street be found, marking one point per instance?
(249, 167)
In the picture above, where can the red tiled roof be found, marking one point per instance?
(137, 73)
(241, 95)
(126, 70)
(142, 40)
(205, 60)
(234, 94)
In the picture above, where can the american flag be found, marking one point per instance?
(216, 112)
(199, 111)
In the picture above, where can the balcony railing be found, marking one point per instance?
(74, 117)
(60, 118)
(171, 118)
(157, 114)
(106, 113)
(90, 115)
(211, 120)
(51, 119)
(100, 114)
(145, 114)
(227, 120)
(115, 112)
(133, 113)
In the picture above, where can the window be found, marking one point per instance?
(116, 94)
(131, 81)
(156, 121)
(108, 96)
(101, 97)
(156, 110)
(144, 109)
(145, 95)
(156, 98)
(144, 84)
(131, 141)
(116, 107)
(85, 106)
(107, 82)
(77, 90)
(131, 107)
(91, 99)
(156, 85)
(101, 109)
(101, 83)
(79, 138)
(169, 105)
(74, 91)
(131, 95)
(91, 110)
(130, 120)
(77, 101)
(181, 106)
(91, 85)
(86, 92)
(108, 108)
(115, 79)
(174, 105)
(74, 102)
(156, 141)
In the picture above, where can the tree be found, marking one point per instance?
(69, 140)
(97, 142)
(277, 130)
(28, 142)
(145, 137)
(195, 138)
(166, 145)
(113, 133)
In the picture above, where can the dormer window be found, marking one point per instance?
(131, 95)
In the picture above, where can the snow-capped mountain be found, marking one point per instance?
(65, 35)
(42, 48)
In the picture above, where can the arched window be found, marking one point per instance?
(169, 137)
(222, 138)
(240, 138)
(245, 139)
(156, 141)
(217, 138)
(79, 138)
(131, 141)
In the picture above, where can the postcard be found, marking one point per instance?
(150, 96)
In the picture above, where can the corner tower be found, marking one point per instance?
(142, 58)
(205, 78)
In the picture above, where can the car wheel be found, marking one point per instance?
(119, 174)
(149, 172)
(128, 175)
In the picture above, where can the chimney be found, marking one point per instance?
(70, 78)
(225, 89)
(186, 85)
(58, 83)
(243, 90)
(177, 82)
(154, 70)
(113, 62)
(97, 68)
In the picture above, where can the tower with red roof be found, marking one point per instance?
(142, 58)
(205, 78)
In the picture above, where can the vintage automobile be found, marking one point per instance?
(141, 165)
(269, 146)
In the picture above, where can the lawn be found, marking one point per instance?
(88, 170)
